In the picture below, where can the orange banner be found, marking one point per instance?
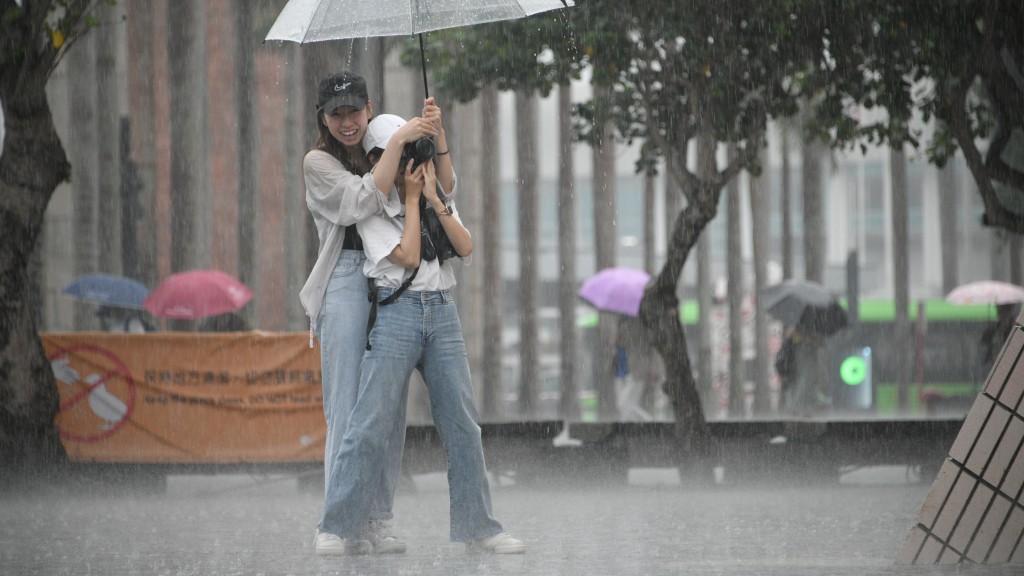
(180, 397)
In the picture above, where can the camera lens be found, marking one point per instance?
(424, 149)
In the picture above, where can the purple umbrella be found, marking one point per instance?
(616, 290)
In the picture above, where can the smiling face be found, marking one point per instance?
(348, 124)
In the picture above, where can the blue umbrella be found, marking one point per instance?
(107, 290)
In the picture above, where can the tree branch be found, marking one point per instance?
(959, 124)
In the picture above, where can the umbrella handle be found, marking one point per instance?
(423, 61)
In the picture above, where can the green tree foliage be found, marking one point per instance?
(960, 62)
(676, 71)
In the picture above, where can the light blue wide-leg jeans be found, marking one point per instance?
(420, 329)
(342, 333)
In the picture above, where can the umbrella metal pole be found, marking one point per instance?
(423, 60)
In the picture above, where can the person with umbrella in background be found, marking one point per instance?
(812, 314)
(341, 191)
(120, 301)
(414, 326)
(995, 335)
(1006, 298)
(801, 368)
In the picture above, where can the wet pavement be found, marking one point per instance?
(654, 524)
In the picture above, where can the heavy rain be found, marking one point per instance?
(734, 287)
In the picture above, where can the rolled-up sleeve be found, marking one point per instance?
(338, 195)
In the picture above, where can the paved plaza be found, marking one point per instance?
(655, 524)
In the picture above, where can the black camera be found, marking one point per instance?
(434, 242)
(418, 152)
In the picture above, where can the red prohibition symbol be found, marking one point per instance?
(118, 370)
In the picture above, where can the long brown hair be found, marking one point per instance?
(356, 162)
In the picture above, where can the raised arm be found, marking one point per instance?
(407, 253)
(445, 171)
(387, 167)
(458, 235)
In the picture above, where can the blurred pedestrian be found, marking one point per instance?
(800, 363)
(634, 369)
(995, 335)
(341, 191)
(115, 319)
(229, 322)
(415, 326)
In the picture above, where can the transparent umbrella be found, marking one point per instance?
(305, 21)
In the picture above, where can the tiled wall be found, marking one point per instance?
(974, 511)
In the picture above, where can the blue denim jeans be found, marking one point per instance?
(342, 333)
(420, 330)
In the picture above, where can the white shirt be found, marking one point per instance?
(336, 198)
(381, 233)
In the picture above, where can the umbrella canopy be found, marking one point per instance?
(108, 290)
(616, 290)
(197, 294)
(807, 306)
(305, 21)
(986, 292)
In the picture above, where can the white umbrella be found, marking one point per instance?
(306, 21)
(986, 292)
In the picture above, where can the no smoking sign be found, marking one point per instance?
(97, 392)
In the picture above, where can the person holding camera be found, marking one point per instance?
(419, 329)
(340, 191)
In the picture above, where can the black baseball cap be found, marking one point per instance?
(342, 89)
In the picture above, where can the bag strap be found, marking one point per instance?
(371, 295)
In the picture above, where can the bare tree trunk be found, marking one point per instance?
(462, 123)
(760, 215)
(190, 228)
(248, 153)
(785, 201)
(490, 250)
(376, 53)
(649, 223)
(295, 212)
(736, 289)
(143, 145)
(81, 63)
(659, 314)
(673, 197)
(949, 233)
(526, 155)
(569, 406)
(901, 281)
(32, 165)
(107, 148)
(318, 59)
(1014, 267)
(605, 242)
(814, 241)
(705, 169)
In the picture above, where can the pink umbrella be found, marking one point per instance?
(616, 290)
(986, 292)
(197, 294)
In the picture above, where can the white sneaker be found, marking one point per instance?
(326, 544)
(502, 543)
(382, 539)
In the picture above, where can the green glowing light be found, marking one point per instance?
(853, 371)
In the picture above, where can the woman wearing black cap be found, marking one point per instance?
(341, 191)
